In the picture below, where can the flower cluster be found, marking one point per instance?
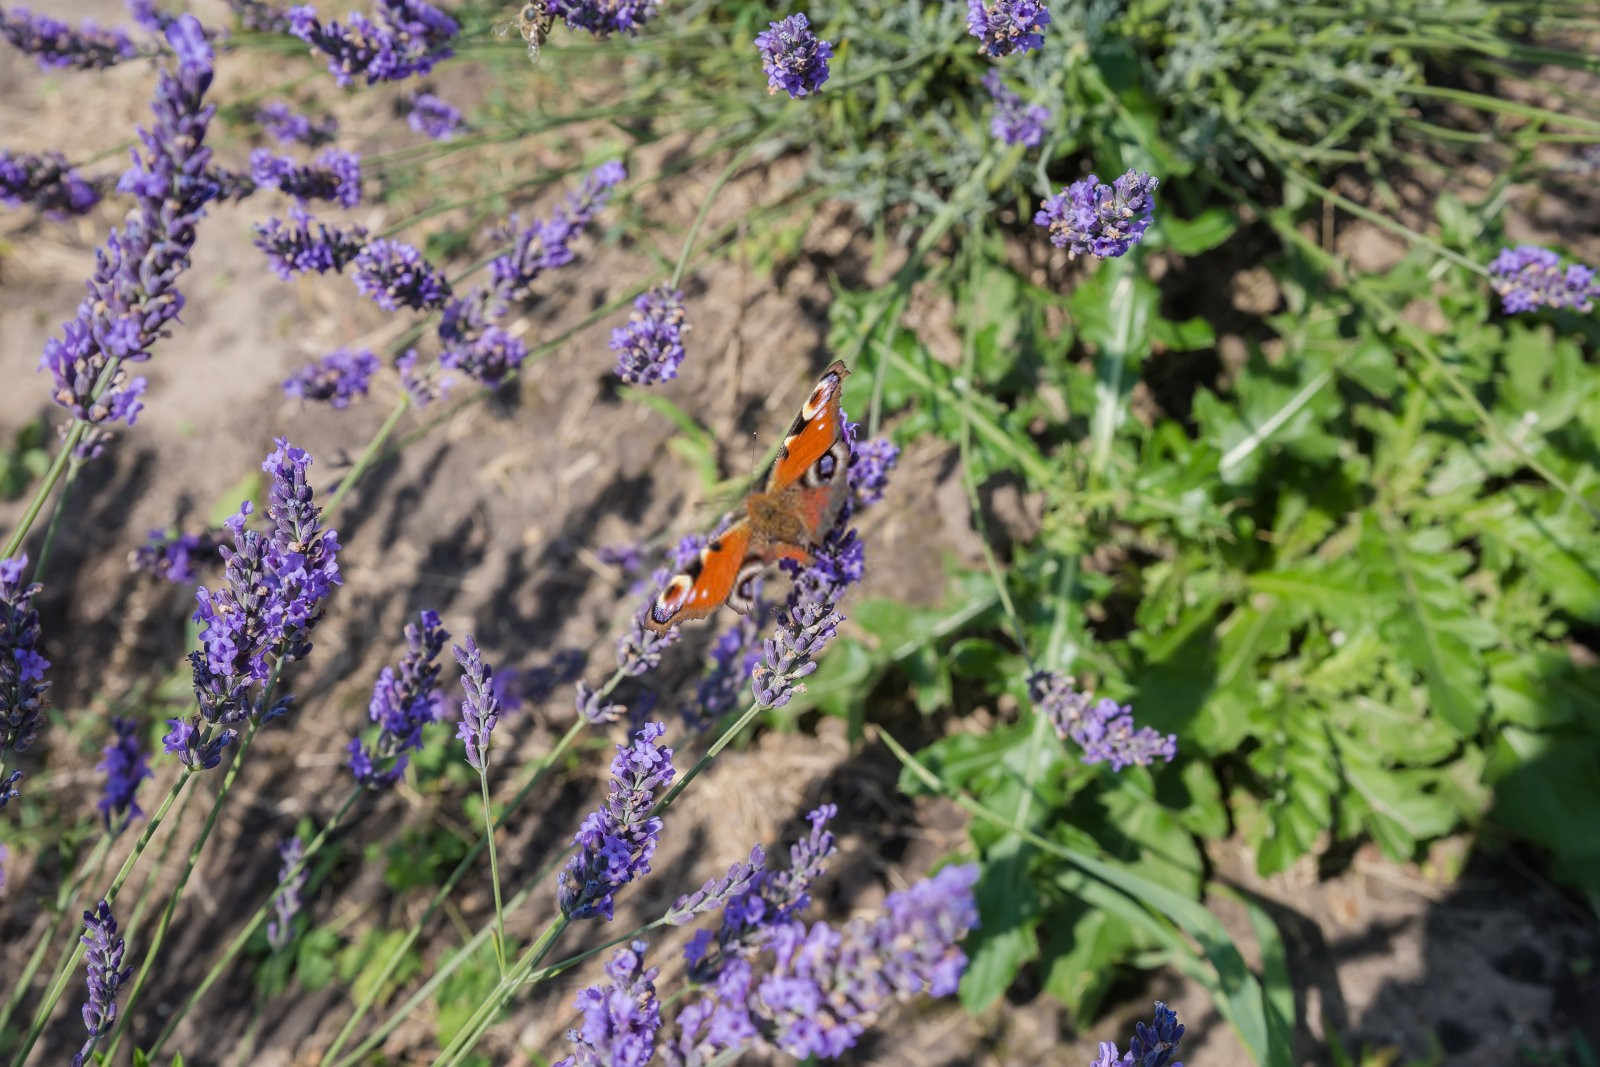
(45, 182)
(650, 346)
(423, 382)
(871, 463)
(404, 37)
(809, 619)
(133, 293)
(171, 556)
(286, 899)
(602, 17)
(734, 655)
(1103, 729)
(334, 175)
(395, 275)
(296, 249)
(259, 16)
(480, 711)
(1101, 220)
(1012, 122)
(56, 45)
(291, 127)
(1006, 26)
(103, 965)
(125, 768)
(615, 843)
(621, 1019)
(22, 684)
(275, 588)
(795, 59)
(433, 117)
(405, 699)
(1153, 1045)
(1528, 278)
(335, 379)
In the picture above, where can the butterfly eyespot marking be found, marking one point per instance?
(671, 599)
(827, 466)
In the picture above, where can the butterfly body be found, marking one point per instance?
(805, 490)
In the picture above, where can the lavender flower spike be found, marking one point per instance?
(717, 892)
(545, 245)
(22, 684)
(1103, 729)
(795, 59)
(1012, 122)
(1006, 26)
(294, 249)
(480, 711)
(103, 963)
(289, 126)
(650, 345)
(335, 379)
(171, 555)
(1153, 1045)
(407, 37)
(602, 17)
(616, 842)
(335, 175)
(56, 45)
(286, 899)
(125, 768)
(620, 1019)
(47, 182)
(405, 699)
(1529, 277)
(434, 117)
(396, 275)
(1101, 220)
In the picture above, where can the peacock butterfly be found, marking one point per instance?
(805, 489)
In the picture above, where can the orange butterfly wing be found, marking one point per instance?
(706, 583)
(816, 429)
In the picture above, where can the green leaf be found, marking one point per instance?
(1190, 237)
(314, 957)
(1084, 946)
(1006, 937)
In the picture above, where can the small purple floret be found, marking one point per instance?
(105, 974)
(1003, 27)
(395, 275)
(45, 182)
(334, 175)
(615, 843)
(1104, 729)
(1528, 278)
(125, 767)
(433, 116)
(1012, 122)
(621, 1018)
(304, 244)
(1090, 218)
(1153, 1044)
(794, 58)
(402, 38)
(650, 346)
(22, 668)
(602, 17)
(335, 379)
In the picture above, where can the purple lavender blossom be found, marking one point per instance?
(171, 556)
(45, 182)
(616, 842)
(295, 249)
(491, 357)
(809, 620)
(103, 964)
(1101, 220)
(1153, 1044)
(480, 711)
(795, 58)
(1006, 26)
(1528, 278)
(422, 382)
(1012, 122)
(828, 985)
(8, 788)
(743, 877)
(149, 17)
(734, 655)
(125, 766)
(628, 557)
(133, 293)
(405, 699)
(620, 1019)
(56, 45)
(259, 16)
(334, 175)
(335, 379)
(602, 17)
(592, 711)
(22, 684)
(405, 37)
(1103, 729)
(395, 275)
(650, 346)
(434, 117)
(286, 899)
(871, 463)
(289, 126)
(545, 245)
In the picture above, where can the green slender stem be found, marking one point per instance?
(494, 867)
(705, 209)
(134, 919)
(74, 465)
(58, 466)
(367, 457)
(236, 946)
(469, 1035)
(65, 905)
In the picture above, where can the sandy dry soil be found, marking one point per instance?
(492, 518)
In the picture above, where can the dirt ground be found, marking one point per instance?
(492, 519)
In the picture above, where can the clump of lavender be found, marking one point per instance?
(1153, 1044)
(871, 463)
(423, 382)
(1006, 26)
(602, 17)
(490, 359)
(650, 346)
(58, 46)
(1100, 220)
(334, 175)
(103, 964)
(296, 248)
(291, 127)
(741, 878)
(620, 1019)
(480, 711)
(615, 843)
(809, 620)
(1103, 729)
(433, 117)
(1528, 278)
(335, 379)
(396, 275)
(171, 556)
(133, 293)
(275, 588)
(794, 58)
(45, 182)
(22, 684)
(405, 699)
(125, 767)
(1012, 122)
(286, 899)
(404, 37)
